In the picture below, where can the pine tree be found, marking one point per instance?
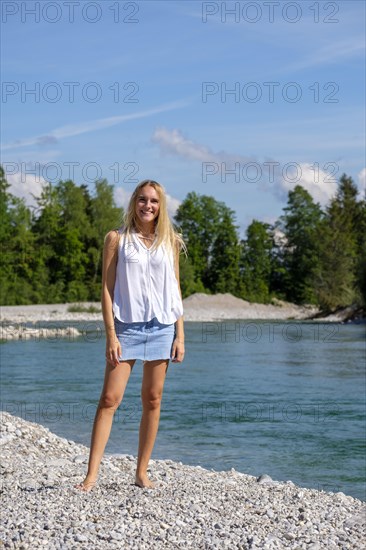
(336, 281)
(361, 252)
(256, 262)
(224, 266)
(301, 223)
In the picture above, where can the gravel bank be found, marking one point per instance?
(197, 307)
(48, 312)
(215, 307)
(21, 332)
(190, 507)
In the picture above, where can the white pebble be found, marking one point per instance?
(190, 508)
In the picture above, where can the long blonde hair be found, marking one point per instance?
(165, 232)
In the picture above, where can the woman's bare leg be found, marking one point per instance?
(151, 394)
(115, 382)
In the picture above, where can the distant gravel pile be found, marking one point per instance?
(189, 508)
(215, 307)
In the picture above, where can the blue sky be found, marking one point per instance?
(135, 90)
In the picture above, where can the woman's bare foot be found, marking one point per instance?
(87, 485)
(143, 481)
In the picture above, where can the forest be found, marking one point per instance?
(52, 253)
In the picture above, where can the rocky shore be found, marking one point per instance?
(22, 332)
(197, 307)
(190, 507)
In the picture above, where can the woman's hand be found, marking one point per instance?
(113, 351)
(177, 351)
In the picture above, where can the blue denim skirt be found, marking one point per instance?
(147, 341)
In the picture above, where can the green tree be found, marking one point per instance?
(224, 266)
(5, 204)
(53, 254)
(47, 225)
(70, 229)
(208, 227)
(256, 262)
(18, 257)
(361, 252)
(301, 223)
(341, 249)
(104, 216)
(74, 202)
(5, 234)
(197, 218)
(63, 230)
(188, 283)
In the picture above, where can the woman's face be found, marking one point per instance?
(147, 205)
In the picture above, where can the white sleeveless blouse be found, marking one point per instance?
(146, 285)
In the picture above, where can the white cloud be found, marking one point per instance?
(90, 126)
(173, 142)
(122, 197)
(362, 183)
(172, 205)
(279, 237)
(321, 186)
(270, 175)
(24, 186)
(269, 219)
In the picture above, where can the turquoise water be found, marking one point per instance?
(282, 398)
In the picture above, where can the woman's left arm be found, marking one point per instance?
(178, 344)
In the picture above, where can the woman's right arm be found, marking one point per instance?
(110, 257)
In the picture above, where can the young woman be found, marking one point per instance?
(142, 312)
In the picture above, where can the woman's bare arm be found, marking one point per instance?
(110, 257)
(178, 344)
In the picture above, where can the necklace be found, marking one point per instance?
(150, 237)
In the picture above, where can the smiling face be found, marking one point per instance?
(147, 207)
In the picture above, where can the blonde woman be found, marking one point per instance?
(142, 312)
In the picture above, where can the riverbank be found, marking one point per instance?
(197, 307)
(190, 507)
